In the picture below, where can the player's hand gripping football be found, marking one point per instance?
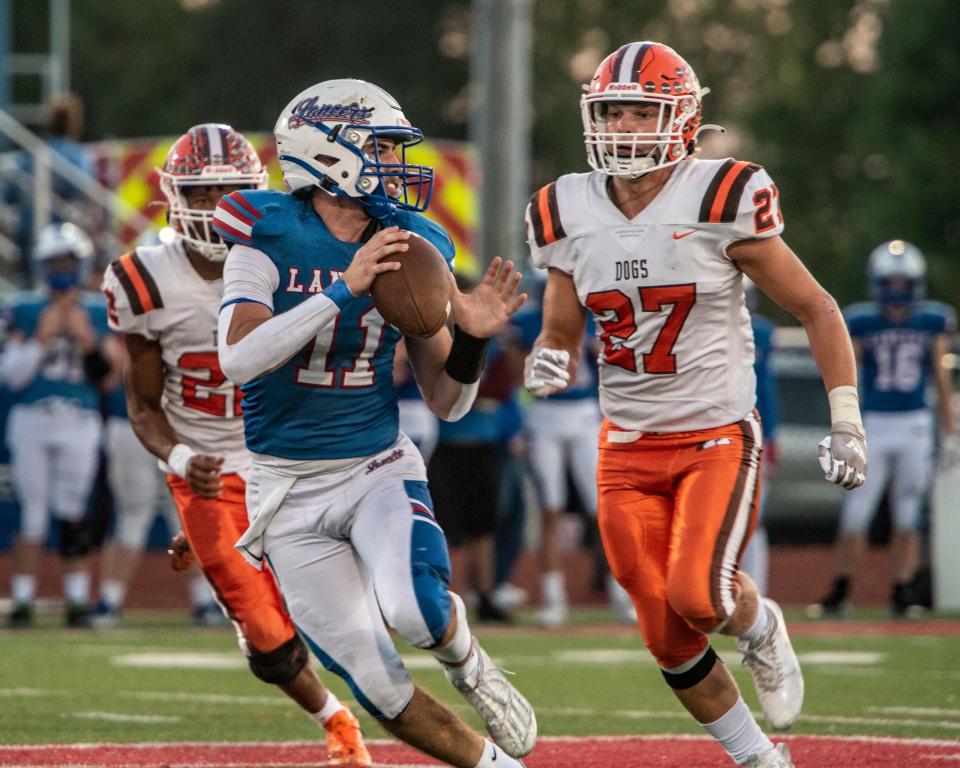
(484, 311)
(181, 557)
(546, 371)
(203, 474)
(843, 455)
(366, 263)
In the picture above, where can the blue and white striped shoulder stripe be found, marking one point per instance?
(235, 218)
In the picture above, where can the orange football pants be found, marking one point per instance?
(212, 526)
(675, 514)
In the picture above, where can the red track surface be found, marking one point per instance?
(611, 752)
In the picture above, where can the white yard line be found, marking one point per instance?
(916, 711)
(122, 717)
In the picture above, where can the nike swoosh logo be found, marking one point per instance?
(680, 235)
(494, 756)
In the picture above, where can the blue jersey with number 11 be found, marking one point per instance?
(334, 399)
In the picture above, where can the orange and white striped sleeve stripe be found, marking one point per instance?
(137, 283)
(545, 216)
(722, 199)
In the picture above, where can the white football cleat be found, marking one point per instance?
(552, 615)
(506, 713)
(778, 757)
(621, 604)
(775, 671)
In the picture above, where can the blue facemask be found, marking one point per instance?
(62, 281)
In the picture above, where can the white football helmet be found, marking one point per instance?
(57, 240)
(210, 155)
(327, 137)
(898, 273)
(61, 240)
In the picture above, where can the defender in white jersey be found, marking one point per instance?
(165, 299)
(655, 244)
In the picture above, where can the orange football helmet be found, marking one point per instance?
(650, 73)
(210, 154)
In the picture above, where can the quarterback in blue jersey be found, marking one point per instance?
(337, 495)
(900, 340)
(53, 364)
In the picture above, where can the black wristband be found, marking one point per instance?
(95, 366)
(465, 361)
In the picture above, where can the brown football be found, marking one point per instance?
(415, 298)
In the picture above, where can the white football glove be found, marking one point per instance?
(949, 456)
(545, 371)
(843, 456)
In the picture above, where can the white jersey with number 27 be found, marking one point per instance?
(676, 344)
(155, 292)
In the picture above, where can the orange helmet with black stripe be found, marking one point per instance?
(208, 155)
(649, 73)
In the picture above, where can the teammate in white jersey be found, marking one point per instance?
(164, 299)
(655, 244)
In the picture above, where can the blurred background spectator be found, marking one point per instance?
(54, 364)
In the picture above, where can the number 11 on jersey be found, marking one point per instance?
(318, 371)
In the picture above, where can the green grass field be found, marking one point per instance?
(157, 680)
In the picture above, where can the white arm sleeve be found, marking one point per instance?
(249, 275)
(464, 402)
(252, 276)
(21, 362)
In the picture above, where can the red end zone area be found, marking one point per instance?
(555, 752)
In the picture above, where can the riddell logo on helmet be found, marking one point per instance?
(217, 170)
(623, 87)
(307, 112)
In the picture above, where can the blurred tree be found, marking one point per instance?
(155, 67)
(851, 104)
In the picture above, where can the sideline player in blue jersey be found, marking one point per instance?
(756, 557)
(901, 340)
(53, 364)
(337, 496)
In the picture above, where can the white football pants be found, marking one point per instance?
(899, 453)
(356, 548)
(137, 484)
(54, 453)
(564, 433)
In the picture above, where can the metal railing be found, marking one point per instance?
(46, 163)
